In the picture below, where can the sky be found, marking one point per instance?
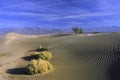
(59, 13)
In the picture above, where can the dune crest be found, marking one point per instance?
(13, 35)
(10, 37)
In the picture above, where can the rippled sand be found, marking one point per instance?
(74, 57)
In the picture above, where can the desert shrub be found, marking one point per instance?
(80, 31)
(45, 55)
(75, 29)
(42, 48)
(38, 67)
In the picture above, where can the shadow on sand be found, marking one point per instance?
(29, 58)
(114, 70)
(17, 71)
(38, 50)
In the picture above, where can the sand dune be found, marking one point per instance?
(75, 57)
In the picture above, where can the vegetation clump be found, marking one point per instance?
(45, 55)
(77, 30)
(38, 67)
(40, 63)
(41, 48)
(80, 31)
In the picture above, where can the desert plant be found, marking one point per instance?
(75, 29)
(38, 67)
(80, 31)
(43, 48)
(45, 55)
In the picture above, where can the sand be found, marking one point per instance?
(75, 57)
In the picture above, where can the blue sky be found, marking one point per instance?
(59, 13)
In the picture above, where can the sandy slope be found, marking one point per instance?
(75, 57)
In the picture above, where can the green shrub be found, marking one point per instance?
(80, 31)
(45, 55)
(38, 67)
(75, 29)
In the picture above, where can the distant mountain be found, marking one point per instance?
(38, 30)
(30, 30)
(105, 29)
(7, 30)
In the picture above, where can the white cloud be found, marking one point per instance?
(75, 23)
(111, 21)
(83, 15)
(29, 14)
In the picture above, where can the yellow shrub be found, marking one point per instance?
(45, 55)
(39, 66)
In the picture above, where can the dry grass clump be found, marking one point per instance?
(42, 48)
(45, 55)
(40, 63)
(39, 67)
